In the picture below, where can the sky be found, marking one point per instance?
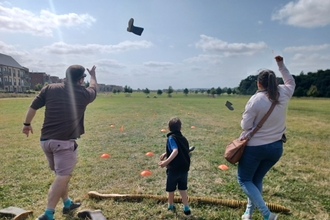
(185, 43)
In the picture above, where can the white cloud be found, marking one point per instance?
(20, 20)
(306, 48)
(12, 51)
(62, 48)
(310, 57)
(209, 58)
(229, 49)
(157, 64)
(109, 63)
(51, 68)
(5, 48)
(304, 13)
(309, 62)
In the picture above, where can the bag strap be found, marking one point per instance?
(262, 120)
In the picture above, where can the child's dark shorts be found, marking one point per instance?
(176, 178)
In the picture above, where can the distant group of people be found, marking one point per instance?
(64, 123)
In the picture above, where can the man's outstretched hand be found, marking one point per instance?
(92, 71)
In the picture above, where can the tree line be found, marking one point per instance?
(312, 84)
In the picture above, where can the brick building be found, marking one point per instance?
(16, 78)
(13, 76)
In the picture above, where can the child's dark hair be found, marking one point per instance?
(174, 124)
(268, 80)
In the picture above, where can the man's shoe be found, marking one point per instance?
(74, 205)
(43, 217)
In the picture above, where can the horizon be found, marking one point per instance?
(185, 44)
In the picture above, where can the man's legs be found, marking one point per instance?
(62, 157)
(65, 194)
(59, 189)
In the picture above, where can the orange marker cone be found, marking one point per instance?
(112, 126)
(145, 173)
(121, 128)
(193, 126)
(149, 154)
(105, 156)
(163, 130)
(223, 167)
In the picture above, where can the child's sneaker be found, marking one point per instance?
(271, 217)
(171, 208)
(246, 217)
(187, 212)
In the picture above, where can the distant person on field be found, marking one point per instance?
(177, 161)
(265, 147)
(65, 105)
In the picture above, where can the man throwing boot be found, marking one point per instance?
(63, 124)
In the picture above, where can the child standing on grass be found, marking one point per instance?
(177, 161)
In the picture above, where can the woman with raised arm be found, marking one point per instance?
(265, 147)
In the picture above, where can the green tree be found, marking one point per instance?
(229, 91)
(312, 91)
(114, 91)
(218, 91)
(169, 91)
(128, 90)
(299, 92)
(38, 87)
(146, 91)
(186, 91)
(159, 92)
(248, 86)
(213, 92)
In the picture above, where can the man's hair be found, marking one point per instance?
(74, 73)
(174, 124)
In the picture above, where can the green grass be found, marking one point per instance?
(299, 181)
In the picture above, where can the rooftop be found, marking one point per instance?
(9, 61)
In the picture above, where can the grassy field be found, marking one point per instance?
(299, 181)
